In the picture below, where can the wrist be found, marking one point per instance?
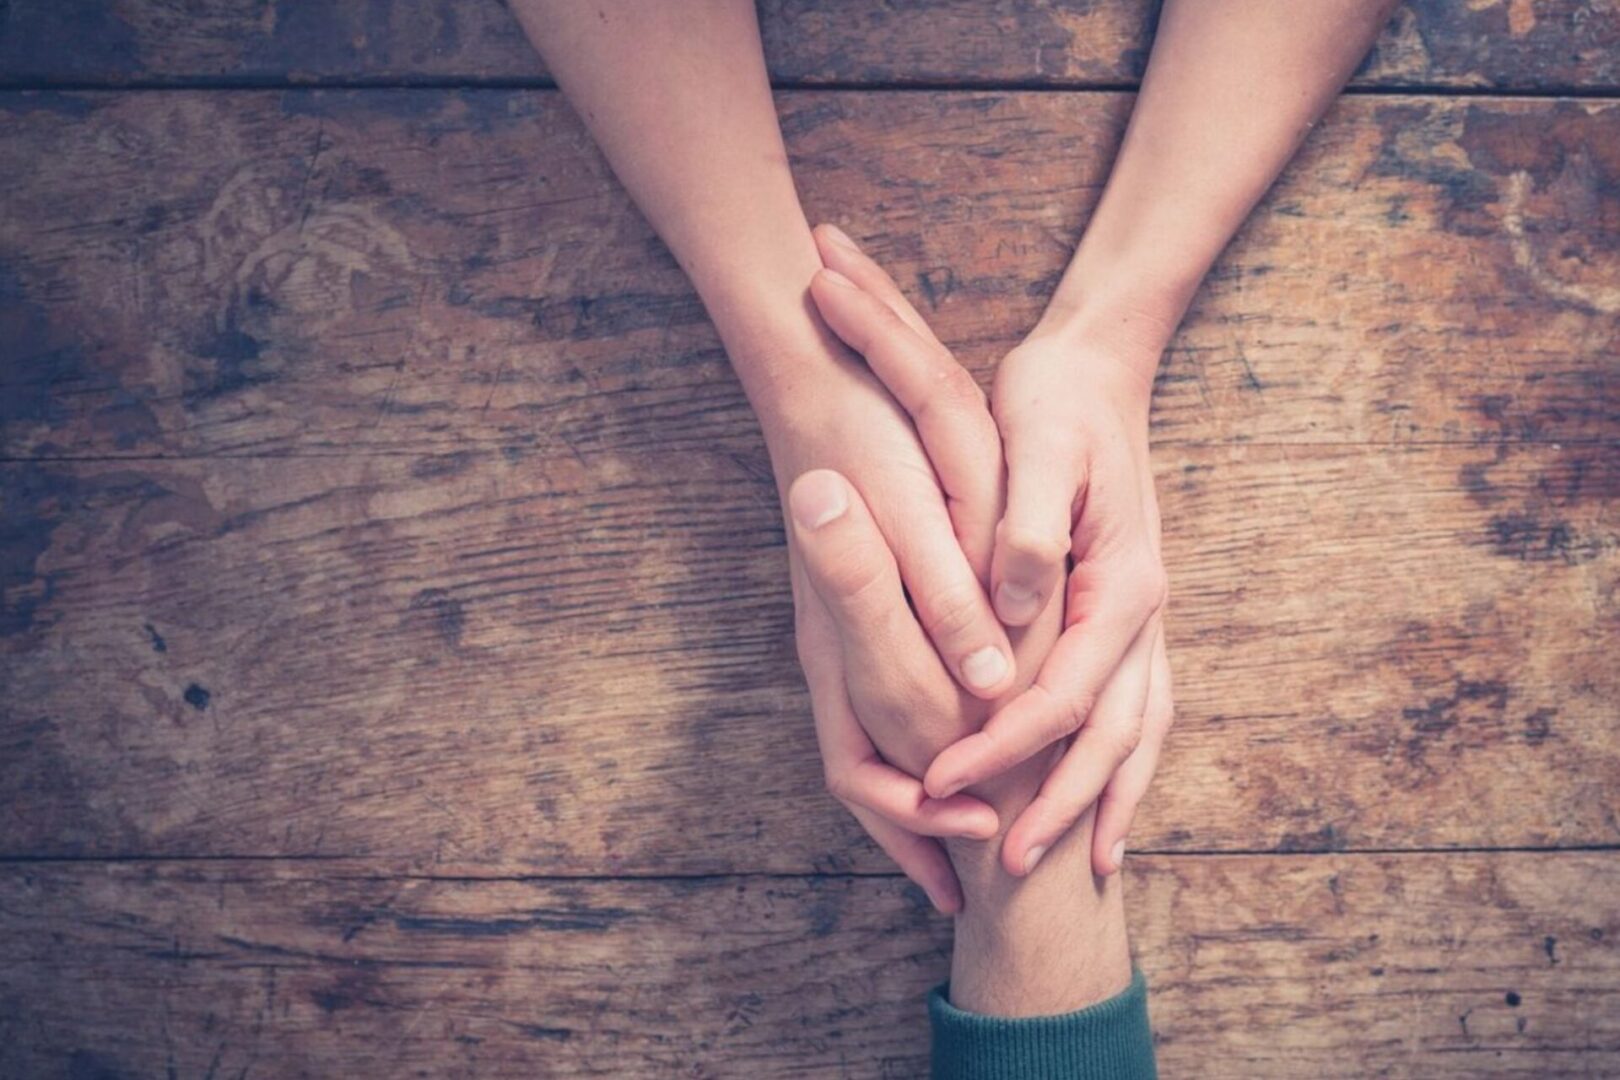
(783, 355)
(1046, 944)
(1040, 945)
(1127, 308)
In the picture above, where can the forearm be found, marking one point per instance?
(677, 97)
(1231, 90)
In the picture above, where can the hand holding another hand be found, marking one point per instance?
(1075, 429)
(1082, 525)
(904, 476)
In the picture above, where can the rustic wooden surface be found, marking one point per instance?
(549, 664)
(434, 271)
(1534, 45)
(390, 576)
(1345, 965)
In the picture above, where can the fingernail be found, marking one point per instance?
(838, 279)
(1016, 603)
(1033, 857)
(1117, 856)
(984, 668)
(840, 237)
(818, 500)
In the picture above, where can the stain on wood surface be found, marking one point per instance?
(425, 271)
(377, 510)
(541, 661)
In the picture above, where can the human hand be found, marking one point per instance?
(1073, 417)
(880, 692)
(926, 470)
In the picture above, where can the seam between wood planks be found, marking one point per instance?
(490, 446)
(186, 83)
(496, 876)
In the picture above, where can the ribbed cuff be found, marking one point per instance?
(1110, 1040)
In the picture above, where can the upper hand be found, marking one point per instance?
(918, 458)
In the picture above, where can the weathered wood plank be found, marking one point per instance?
(1503, 44)
(309, 272)
(1474, 965)
(542, 661)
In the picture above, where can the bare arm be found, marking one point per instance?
(1232, 88)
(677, 97)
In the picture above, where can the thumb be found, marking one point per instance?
(1034, 536)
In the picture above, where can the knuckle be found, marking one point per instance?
(1073, 713)
(949, 386)
(951, 612)
(955, 383)
(1031, 546)
(906, 703)
(1124, 740)
(856, 574)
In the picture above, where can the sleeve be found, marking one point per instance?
(1111, 1039)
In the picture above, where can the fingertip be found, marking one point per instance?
(1015, 858)
(830, 291)
(828, 276)
(1027, 565)
(947, 899)
(942, 780)
(1107, 859)
(828, 233)
(984, 826)
(959, 815)
(1025, 843)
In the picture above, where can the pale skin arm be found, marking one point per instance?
(688, 124)
(1055, 941)
(678, 99)
(1232, 89)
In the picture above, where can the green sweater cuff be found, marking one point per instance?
(1111, 1039)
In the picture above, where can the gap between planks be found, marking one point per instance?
(1010, 86)
(377, 862)
(486, 446)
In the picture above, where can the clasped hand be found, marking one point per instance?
(978, 589)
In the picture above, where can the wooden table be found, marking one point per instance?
(395, 641)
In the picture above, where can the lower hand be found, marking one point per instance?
(1073, 416)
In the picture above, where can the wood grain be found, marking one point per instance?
(584, 664)
(377, 510)
(431, 272)
(1474, 965)
(1535, 45)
